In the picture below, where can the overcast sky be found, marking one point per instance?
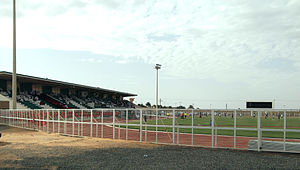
(213, 52)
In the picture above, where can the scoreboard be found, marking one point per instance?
(259, 105)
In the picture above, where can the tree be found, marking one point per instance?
(191, 107)
(180, 107)
(141, 105)
(148, 104)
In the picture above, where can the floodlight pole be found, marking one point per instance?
(14, 77)
(157, 67)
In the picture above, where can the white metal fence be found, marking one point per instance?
(259, 130)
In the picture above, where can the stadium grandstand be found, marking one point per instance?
(44, 93)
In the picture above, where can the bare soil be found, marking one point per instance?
(26, 149)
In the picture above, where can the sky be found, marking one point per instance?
(213, 52)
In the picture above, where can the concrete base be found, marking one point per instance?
(275, 146)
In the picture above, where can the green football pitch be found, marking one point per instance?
(241, 122)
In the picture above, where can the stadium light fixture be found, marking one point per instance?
(14, 76)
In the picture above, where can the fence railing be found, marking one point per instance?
(259, 130)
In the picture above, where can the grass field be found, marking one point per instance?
(242, 122)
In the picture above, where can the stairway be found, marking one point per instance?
(19, 105)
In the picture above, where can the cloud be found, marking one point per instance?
(222, 40)
(165, 37)
(91, 60)
(122, 61)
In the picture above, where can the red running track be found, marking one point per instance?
(147, 136)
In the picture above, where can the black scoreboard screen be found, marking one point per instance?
(259, 105)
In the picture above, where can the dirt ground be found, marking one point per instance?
(25, 149)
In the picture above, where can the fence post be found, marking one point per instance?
(212, 127)
(102, 124)
(81, 122)
(44, 121)
(78, 123)
(58, 115)
(13, 123)
(39, 119)
(119, 131)
(73, 120)
(284, 131)
(9, 117)
(126, 124)
(177, 135)
(16, 118)
(65, 122)
(156, 122)
(97, 125)
(173, 126)
(141, 125)
(91, 134)
(17, 122)
(144, 119)
(12, 118)
(234, 145)
(27, 118)
(53, 120)
(32, 122)
(258, 132)
(19, 118)
(192, 126)
(146, 134)
(47, 121)
(24, 120)
(114, 117)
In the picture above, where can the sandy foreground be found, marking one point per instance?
(17, 144)
(26, 149)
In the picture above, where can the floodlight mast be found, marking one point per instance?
(14, 76)
(157, 67)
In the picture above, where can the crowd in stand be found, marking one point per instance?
(60, 101)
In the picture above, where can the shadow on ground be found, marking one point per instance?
(166, 157)
(17, 152)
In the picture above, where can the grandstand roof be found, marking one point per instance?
(46, 81)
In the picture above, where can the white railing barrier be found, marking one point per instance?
(87, 120)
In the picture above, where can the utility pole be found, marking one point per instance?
(14, 76)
